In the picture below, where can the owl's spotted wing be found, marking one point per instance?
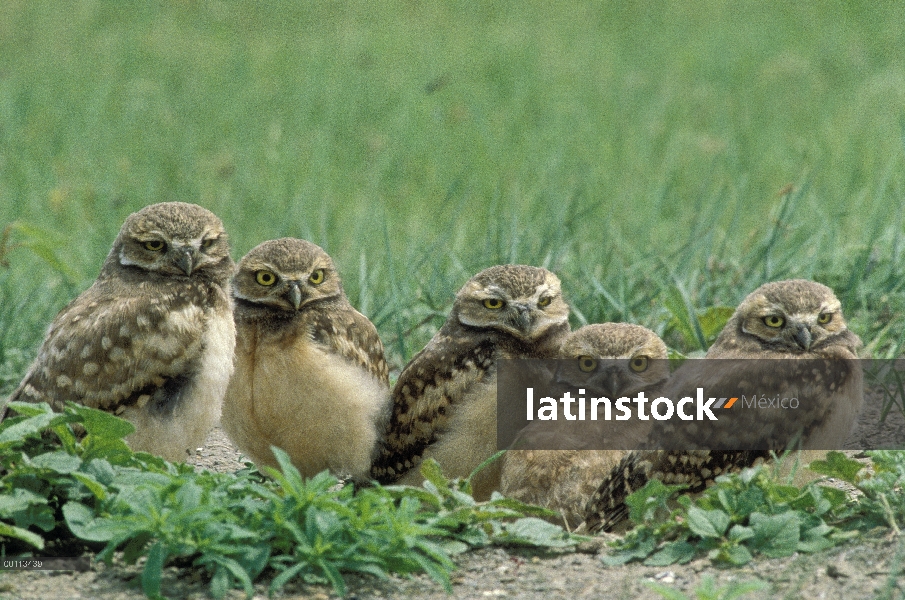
(423, 397)
(116, 346)
(354, 337)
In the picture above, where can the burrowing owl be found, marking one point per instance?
(794, 319)
(445, 399)
(152, 339)
(310, 371)
(609, 360)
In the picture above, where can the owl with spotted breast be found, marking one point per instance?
(444, 402)
(610, 360)
(310, 374)
(794, 320)
(152, 339)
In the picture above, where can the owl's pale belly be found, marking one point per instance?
(318, 407)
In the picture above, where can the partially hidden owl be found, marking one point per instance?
(611, 360)
(444, 402)
(152, 339)
(785, 320)
(310, 374)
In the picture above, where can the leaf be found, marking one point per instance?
(100, 423)
(531, 531)
(740, 533)
(775, 535)
(153, 571)
(645, 503)
(673, 552)
(101, 470)
(707, 523)
(188, 497)
(639, 543)
(284, 577)
(497, 500)
(288, 475)
(19, 500)
(227, 567)
(85, 525)
(334, 577)
(838, 465)
(110, 449)
(220, 583)
(435, 571)
(10, 531)
(430, 470)
(59, 462)
(737, 555)
(484, 465)
(30, 426)
(30, 409)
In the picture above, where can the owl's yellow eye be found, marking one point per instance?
(824, 318)
(587, 363)
(208, 242)
(265, 277)
(154, 245)
(774, 321)
(317, 277)
(493, 303)
(638, 364)
(545, 301)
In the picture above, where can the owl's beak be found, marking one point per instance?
(607, 381)
(803, 336)
(558, 375)
(522, 317)
(186, 260)
(294, 295)
(612, 382)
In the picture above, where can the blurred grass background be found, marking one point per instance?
(663, 159)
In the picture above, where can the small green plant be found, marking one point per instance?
(743, 514)
(708, 590)
(881, 501)
(57, 489)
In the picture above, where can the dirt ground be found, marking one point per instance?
(868, 567)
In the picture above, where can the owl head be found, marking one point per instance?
(793, 316)
(521, 301)
(613, 359)
(287, 275)
(173, 239)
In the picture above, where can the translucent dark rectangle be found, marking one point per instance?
(703, 404)
(46, 563)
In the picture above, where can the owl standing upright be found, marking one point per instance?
(794, 319)
(444, 403)
(152, 339)
(310, 373)
(611, 360)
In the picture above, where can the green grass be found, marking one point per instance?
(641, 152)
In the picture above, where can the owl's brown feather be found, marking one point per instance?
(563, 480)
(310, 374)
(444, 403)
(784, 320)
(152, 338)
